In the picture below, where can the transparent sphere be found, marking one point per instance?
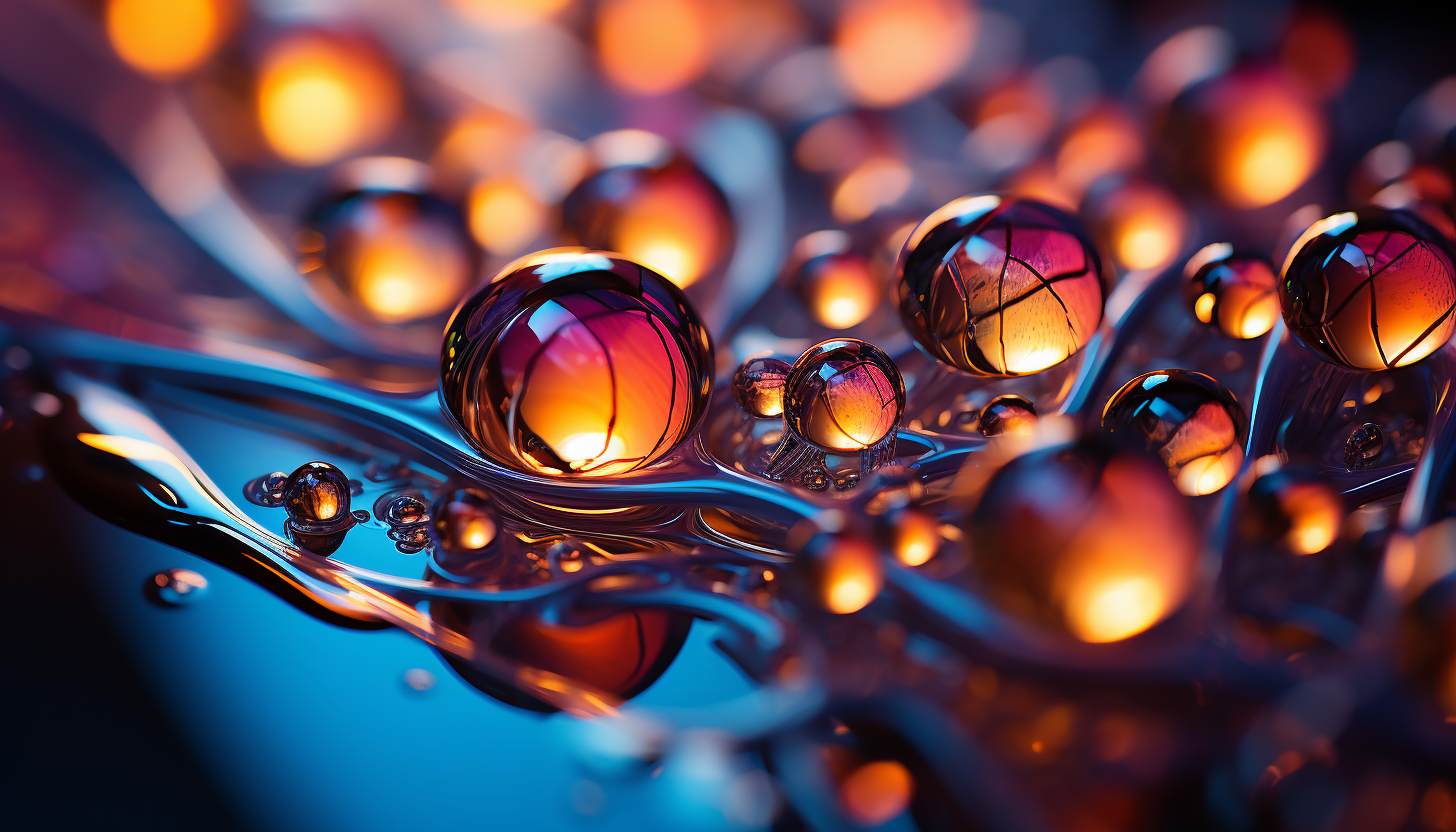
(1000, 286)
(758, 387)
(652, 205)
(406, 510)
(844, 395)
(1085, 539)
(1296, 507)
(386, 253)
(1237, 293)
(1010, 413)
(576, 363)
(841, 571)
(316, 497)
(836, 284)
(1370, 291)
(1189, 420)
(464, 526)
(1364, 447)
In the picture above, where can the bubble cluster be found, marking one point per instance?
(1189, 420)
(1000, 286)
(1370, 291)
(576, 363)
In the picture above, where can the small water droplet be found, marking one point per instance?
(266, 490)
(316, 497)
(406, 510)
(419, 679)
(410, 539)
(176, 587)
(361, 515)
(1364, 447)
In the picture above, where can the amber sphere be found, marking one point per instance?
(1370, 291)
(1193, 423)
(386, 253)
(316, 497)
(844, 395)
(1238, 293)
(835, 283)
(1005, 414)
(758, 387)
(1000, 286)
(1295, 506)
(576, 363)
(652, 205)
(1085, 538)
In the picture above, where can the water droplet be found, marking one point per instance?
(835, 284)
(1371, 291)
(1296, 506)
(266, 490)
(758, 387)
(1188, 419)
(388, 254)
(418, 679)
(356, 488)
(1085, 539)
(844, 395)
(360, 515)
(410, 540)
(316, 497)
(1000, 286)
(845, 480)
(1008, 414)
(464, 522)
(176, 587)
(1238, 293)
(1364, 447)
(576, 363)
(406, 510)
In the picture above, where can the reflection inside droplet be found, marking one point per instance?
(1191, 421)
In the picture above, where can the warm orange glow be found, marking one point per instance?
(842, 293)
(1268, 139)
(320, 98)
(1039, 181)
(873, 185)
(832, 144)
(507, 14)
(1146, 226)
(483, 145)
(164, 37)
(1115, 608)
(1319, 51)
(400, 279)
(917, 537)
(1103, 142)
(650, 47)
(1203, 307)
(876, 792)
(1207, 474)
(1314, 512)
(851, 575)
(673, 227)
(890, 51)
(504, 217)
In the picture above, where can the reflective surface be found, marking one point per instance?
(1189, 420)
(1236, 293)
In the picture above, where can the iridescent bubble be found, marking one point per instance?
(844, 395)
(1235, 292)
(1189, 420)
(758, 387)
(1370, 291)
(576, 363)
(1008, 414)
(384, 248)
(1000, 286)
(1083, 538)
(1295, 506)
(316, 497)
(1364, 446)
(178, 586)
(652, 205)
(835, 283)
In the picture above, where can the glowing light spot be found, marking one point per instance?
(320, 98)
(873, 185)
(890, 51)
(1203, 307)
(164, 37)
(1115, 608)
(650, 47)
(851, 576)
(507, 14)
(876, 792)
(504, 217)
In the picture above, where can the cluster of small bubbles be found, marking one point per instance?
(758, 387)
(1189, 420)
(1295, 506)
(1000, 286)
(1008, 414)
(266, 490)
(383, 248)
(316, 497)
(1086, 538)
(846, 479)
(576, 363)
(1235, 292)
(1371, 291)
(816, 479)
(1364, 446)
(176, 587)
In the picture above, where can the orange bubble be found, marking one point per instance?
(504, 217)
(876, 792)
(650, 47)
(165, 37)
(851, 575)
(321, 97)
(891, 51)
(1267, 139)
(1103, 142)
(916, 537)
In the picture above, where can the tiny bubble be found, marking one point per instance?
(419, 679)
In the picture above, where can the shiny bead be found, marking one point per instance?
(316, 497)
(1010, 413)
(1370, 291)
(844, 395)
(1364, 447)
(1189, 420)
(1237, 293)
(576, 363)
(835, 283)
(999, 286)
(758, 387)
(1295, 506)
